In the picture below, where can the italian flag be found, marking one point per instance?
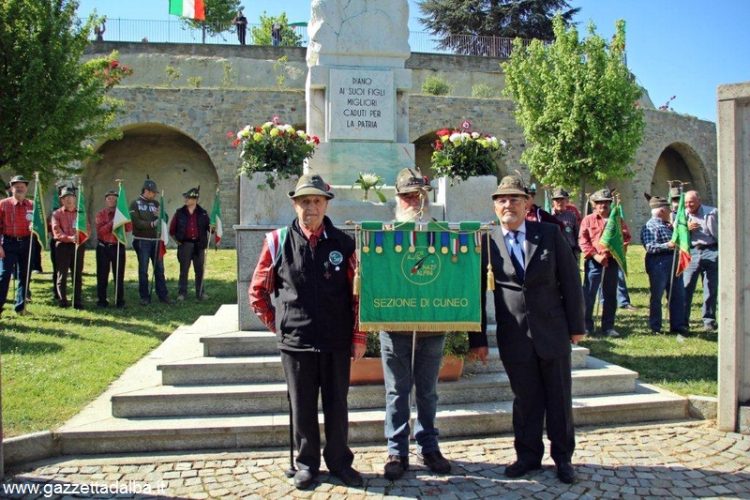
(216, 223)
(122, 217)
(163, 228)
(193, 9)
(681, 238)
(81, 228)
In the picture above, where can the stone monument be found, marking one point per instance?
(356, 89)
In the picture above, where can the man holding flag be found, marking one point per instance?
(145, 214)
(70, 231)
(110, 248)
(603, 238)
(658, 241)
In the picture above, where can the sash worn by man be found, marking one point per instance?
(308, 268)
(539, 310)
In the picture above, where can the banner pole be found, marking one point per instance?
(413, 387)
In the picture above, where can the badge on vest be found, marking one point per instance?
(336, 258)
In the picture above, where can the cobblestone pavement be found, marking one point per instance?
(682, 459)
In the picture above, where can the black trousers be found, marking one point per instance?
(188, 253)
(65, 261)
(327, 373)
(106, 262)
(542, 388)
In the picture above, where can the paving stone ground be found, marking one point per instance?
(679, 459)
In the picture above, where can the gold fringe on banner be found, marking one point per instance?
(490, 273)
(433, 326)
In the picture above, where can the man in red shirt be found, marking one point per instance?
(15, 220)
(599, 265)
(66, 240)
(110, 253)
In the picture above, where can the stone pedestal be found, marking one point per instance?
(734, 256)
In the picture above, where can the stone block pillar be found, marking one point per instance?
(734, 257)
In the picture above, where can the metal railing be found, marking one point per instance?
(175, 31)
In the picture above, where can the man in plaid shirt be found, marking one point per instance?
(656, 237)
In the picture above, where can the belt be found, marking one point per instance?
(706, 247)
(7, 237)
(106, 243)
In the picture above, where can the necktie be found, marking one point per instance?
(514, 256)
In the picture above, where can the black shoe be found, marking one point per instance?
(395, 467)
(120, 305)
(102, 304)
(566, 473)
(684, 331)
(166, 300)
(518, 469)
(349, 476)
(436, 462)
(78, 306)
(303, 478)
(145, 302)
(64, 303)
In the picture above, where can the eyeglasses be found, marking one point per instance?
(513, 200)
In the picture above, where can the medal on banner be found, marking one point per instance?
(445, 241)
(478, 241)
(412, 241)
(398, 240)
(464, 241)
(378, 242)
(454, 250)
(431, 242)
(366, 241)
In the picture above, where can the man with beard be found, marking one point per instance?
(412, 205)
(539, 309)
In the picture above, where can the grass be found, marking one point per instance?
(55, 361)
(682, 365)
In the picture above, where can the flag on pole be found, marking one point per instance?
(163, 227)
(547, 202)
(193, 9)
(38, 220)
(681, 237)
(612, 238)
(122, 217)
(216, 223)
(81, 228)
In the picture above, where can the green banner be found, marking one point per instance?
(424, 278)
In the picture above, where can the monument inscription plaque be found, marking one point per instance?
(362, 105)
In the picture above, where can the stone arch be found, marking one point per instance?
(169, 156)
(679, 161)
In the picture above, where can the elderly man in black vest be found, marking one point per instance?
(539, 310)
(308, 268)
(190, 228)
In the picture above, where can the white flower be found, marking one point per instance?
(369, 179)
(475, 135)
(455, 137)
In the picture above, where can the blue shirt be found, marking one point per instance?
(510, 242)
(655, 235)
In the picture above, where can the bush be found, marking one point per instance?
(434, 85)
(485, 91)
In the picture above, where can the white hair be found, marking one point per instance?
(655, 212)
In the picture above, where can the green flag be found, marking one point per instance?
(81, 226)
(122, 217)
(163, 227)
(38, 221)
(681, 237)
(216, 223)
(418, 280)
(612, 237)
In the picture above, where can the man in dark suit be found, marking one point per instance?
(539, 311)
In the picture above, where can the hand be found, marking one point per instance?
(670, 244)
(693, 226)
(602, 259)
(358, 351)
(576, 337)
(478, 354)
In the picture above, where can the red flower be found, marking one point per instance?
(258, 129)
(113, 64)
(230, 134)
(236, 143)
(438, 145)
(442, 132)
(316, 139)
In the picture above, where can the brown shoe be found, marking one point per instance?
(436, 462)
(395, 467)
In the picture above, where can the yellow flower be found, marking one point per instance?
(274, 132)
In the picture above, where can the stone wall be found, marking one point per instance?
(242, 85)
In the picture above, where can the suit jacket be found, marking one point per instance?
(538, 315)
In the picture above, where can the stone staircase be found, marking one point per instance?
(212, 386)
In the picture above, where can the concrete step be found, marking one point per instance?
(119, 435)
(161, 401)
(267, 367)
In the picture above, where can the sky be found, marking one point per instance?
(680, 48)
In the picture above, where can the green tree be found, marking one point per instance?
(219, 16)
(458, 24)
(577, 103)
(262, 34)
(53, 105)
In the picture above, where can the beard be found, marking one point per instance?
(411, 214)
